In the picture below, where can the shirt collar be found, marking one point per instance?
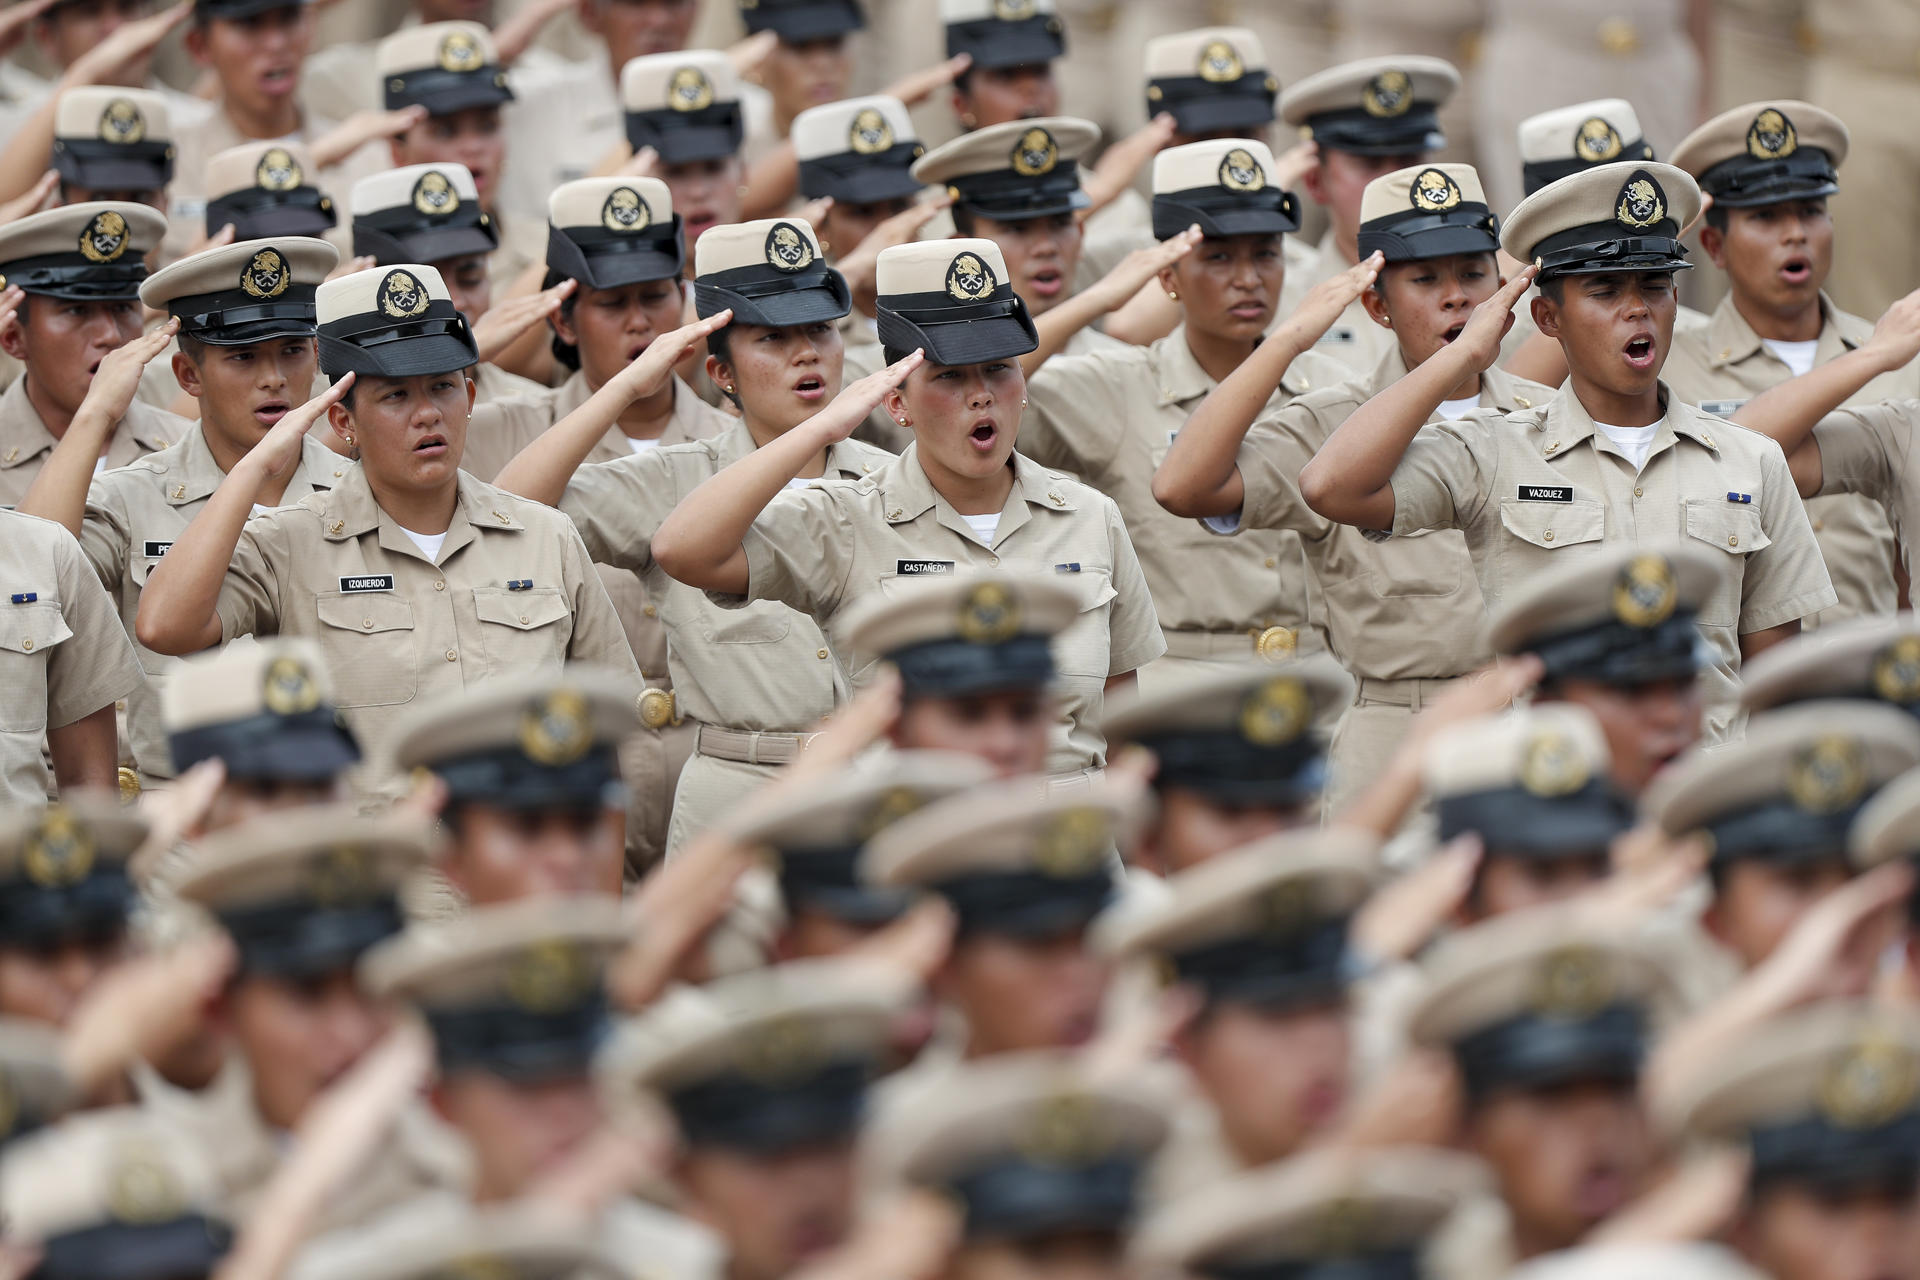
(1498, 388)
(143, 424)
(349, 510)
(909, 494)
(1567, 423)
(1183, 380)
(1730, 339)
(193, 474)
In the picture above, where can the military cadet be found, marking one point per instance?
(816, 840)
(1614, 456)
(1873, 659)
(811, 63)
(81, 267)
(1566, 140)
(246, 322)
(959, 497)
(66, 898)
(1026, 872)
(858, 153)
(1618, 632)
(1259, 934)
(302, 894)
(765, 1075)
(113, 144)
(1547, 1015)
(424, 587)
(1770, 167)
(1012, 44)
(1534, 787)
(1823, 1101)
(532, 773)
(263, 190)
(753, 681)
(1778, 805)
(688, 107)
(1366, 120)
(1404, 617)
(1237, 755)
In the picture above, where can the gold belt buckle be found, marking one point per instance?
(656, 708)
(1276, 644)
(129, 785)
(1619, 37)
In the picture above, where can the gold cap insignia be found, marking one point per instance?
(625, 210)
(1065, 1132)
(870, 133)
(267, 275)
(58, 852)
(1345, 1228)
(894, 805)
(122, 122)
(1072, 844)
(1219, 64)
(688, 89)
(556, 730)
(970, 279)
(1287, 907)
(1551, 765)
(1572, 984)
(343, 875)
(1828, 775)
(1015, 10)
(788, 248)
(401, 296)
(1240, 171)
(1434, 191)
(1771, 136)
(549, 977)
(1036, 154)
(278, 171)
(1645, 592)
(434, 196)
(990, 614)
(9, 1106)
(1896, 671)
(1276, 713)
(1597, 141)
(1869, 1084)
(1641, 202)
(784, 1051)
(142, 1187)
(1388, 94)
(461, 52)
(288, 688)
(105, 238)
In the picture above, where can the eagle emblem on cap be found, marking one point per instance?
(969, 278)
(1868, 1084)
(401, 296)
(788, 248)
(1240, 170)
(1219, 64)
(990, 614)
(549, 976)
(142, 1187)
(459, 51)
(1072, 843)
(277, 170)
(104, 238)
(625, 211)
(1572, 984)
(895, 804)
(122, 122)
(58, 852)
(1275, 713)
(266, 276)
(1388, 94)
(556, 729)
(1551, 765)
(1645, 592)
(1434, 191)
(784, 1052)
(288, 688)
(1771, 136)
(1641, 202)
(1896, 671)
(688, 89)
(1287, 907)
(1065, 1132)
(1828, 774)
(434, 196)
(1015, 10)
(1597, 142)
(1036, 154)
(870, 134)
(343, 874)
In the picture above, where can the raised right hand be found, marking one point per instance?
(652, 367)
(1491, 320)
(851, 407)
(278, 452)
(1896, 336)
(1138, 269)
(1326, 301)
(128, 45)
(118, 379)
(503, 324)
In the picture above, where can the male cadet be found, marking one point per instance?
(1366, 120)
(81, 268)
(64, 901)
(1874, 659)
(303, 894)
(532, 772)
(1012, 44)
(1770, 167)
(1824, 1102)
(265, 189)
(246, 315)
(1237, 756)
(113, 144)
(765, 1075)
(1614, 456)
(1260, 936)
(1777, 806)
(1617, 632)
(1547, 1017)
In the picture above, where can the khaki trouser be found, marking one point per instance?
(650, 765)
(711, 789)
(1370, 732)
(1861, 554)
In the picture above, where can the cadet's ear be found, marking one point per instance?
(13, 338)
(1315, 181)
(1546, 317)
(187, 374)
(196, 42)
(561, 322)
(1714, 241)
(1376, 304)
(589, 14)
(720, 371)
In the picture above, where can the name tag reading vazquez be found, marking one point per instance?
(920, 568)
(368, 582)
(1546, 493)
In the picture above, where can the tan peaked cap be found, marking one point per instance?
(994, 148)
(1858, 658)
(360, 293)
(450, 46)
(863, 126)
(1016, 825)
(1594, 132)
(110, 113)
(58, 843)
(693, 77)
(135, 228)
(1636, 584)
(1270, 703)
(123, 1164)
(987, 607)
(317, 851)
(1233, 164)
(1430, 188)
(589, 202)
(481, 957)
(493, 1242)
(786, 244)
(510, 713)
(34, 1086)
(857, 803)
(1193, 53)
(240, 681)
(923, 267)
(414, 186)
(1345, 87)
(1548, 749)
(952, 11)
(274, 166)
(282, 260)
(1599, 195)
(1729, 134)
(1675, 1260)
(1888, 826)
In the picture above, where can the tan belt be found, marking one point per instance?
(750, 748)
(1272, 643)
(1412, 693)
(1080, 780)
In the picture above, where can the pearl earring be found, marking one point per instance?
(1173, 295)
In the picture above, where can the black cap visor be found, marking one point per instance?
(952, 333)
(997, 44)
(1840, 1160)
(70, 277)
(1231, 772)
(1205, 106)
(765, 296)
(258, 214)
(1222, 213)
(1538, 1051)
(857, 179)
(520, 1044)
(1779, 832)
(682, 137)
(444, 92)
(1513, 821)
(188, 1246)
(601, 259)
(301, 939)
(1614, 653)
(1018, 1199)
(437, 341)
(1416, 236)
(1536, 174)
(233, 318)
(422, 244)
(508, 779)
(1415, 132)
(1602, 247)
(309, 747)
(1744, 183)
(1026, 904)
(95, 907)
(205, 10)
(732, 1111)
(112, 166)
(801, 23)
(954, 668)
(1005, 196)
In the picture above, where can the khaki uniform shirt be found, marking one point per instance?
(1354, 339)
(562, 126)
(1109, 419)
(133, 516)
(1871, 449)
(1526, 486)
(25, 442)
(492, 384)
(513, 595)
(1406, 608)
(764, 667)
(63, 655)
(823, 547)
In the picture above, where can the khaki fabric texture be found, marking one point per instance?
(25, 442)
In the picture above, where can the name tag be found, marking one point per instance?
(154, 550)
(1721, 408)
(371, 582)
(920, 568)
(1546, 493)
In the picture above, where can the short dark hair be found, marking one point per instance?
(1717, 218)
(1553, 288)
(191, 347)
(720, 347)
(892, 355)
(565, 353)
(962, 219)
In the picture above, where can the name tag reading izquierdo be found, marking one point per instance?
(368, 582)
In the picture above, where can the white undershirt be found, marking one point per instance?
(100, 465)
(1797, 356)
(641, 446)
(984, 527)
(429, 543)
(260, 510)
(1453, 410)
(1635, 442)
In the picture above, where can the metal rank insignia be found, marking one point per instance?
(894, 804)
(58, 851)
(788, 249)
(1276, 713)
(1572, 984)
(289, 688)
(989, 615)
(783, 1052)
(143, 1188)
(1641, 203)
(1065, 1131)
(1434, 191)
(550, 977)
(1072, 844)
(1869, 1084)
(343, 875)
(1598, 142)
(1828, 775)
(1387, 95)
(1036, 154)
(1288, 908)
(1551, 765)
(1896, 671)
(557, 729)
(1646, 591)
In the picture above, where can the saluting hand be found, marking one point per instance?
(652, 367)
(118, 379)
(850, 408)
(278, 452)
(1491, 319)
(916, 87)
(497, 330)
(1138, 269)
(1326, 301)
(1896, 336)
(33, 200)
(128, 44)
(15, 21)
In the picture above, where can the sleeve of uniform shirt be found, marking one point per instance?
(597, 634)
(1445, 475)
(800, 551)
(1271, 457)
(616, 505)
(1075, 407)
(249, 603)
(1786, 580)
(1134, 638)
(1858, 453)
(96, 665)
(106, 533)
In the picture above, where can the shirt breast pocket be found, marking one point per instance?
(28, 633)
(1085, 648)
(522, 631)
(757, 622)
(368, 640)
(1733, 529)
(140, 568)
(1550, 526)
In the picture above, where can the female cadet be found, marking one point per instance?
(415, 579)
(753, 680)
(958, 497)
